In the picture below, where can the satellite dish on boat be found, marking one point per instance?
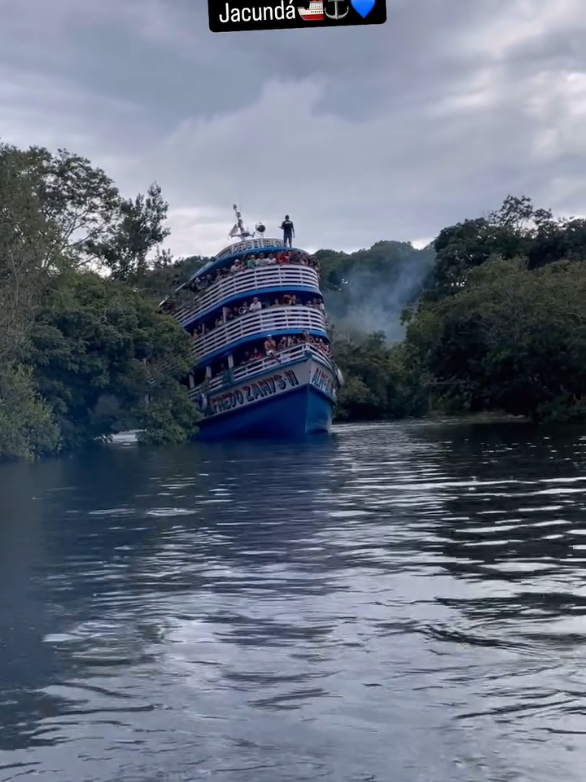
(260, 228)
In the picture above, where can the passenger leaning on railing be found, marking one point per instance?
(272, 350)
(270, 345)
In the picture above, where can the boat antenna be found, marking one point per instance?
(239, 229)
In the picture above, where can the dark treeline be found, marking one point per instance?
(498, 325)
(79, 268)
(489, 318)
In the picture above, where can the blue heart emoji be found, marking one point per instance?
(362, 7)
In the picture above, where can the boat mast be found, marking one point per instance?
(239, 229)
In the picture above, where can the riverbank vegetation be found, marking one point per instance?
(498, 325)
(489, 318)
(78, 321)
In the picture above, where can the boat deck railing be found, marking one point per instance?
(255, 367)
(288, 276)
(294, 318)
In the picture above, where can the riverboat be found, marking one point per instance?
(262, 356)
(313, 13)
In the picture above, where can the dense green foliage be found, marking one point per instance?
(27, 427)
(78, 322)
(490, 317)
(499, 326)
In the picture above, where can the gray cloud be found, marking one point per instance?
(361, 134)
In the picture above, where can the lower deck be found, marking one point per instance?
(279, 358)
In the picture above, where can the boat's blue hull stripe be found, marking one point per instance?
(298, 413)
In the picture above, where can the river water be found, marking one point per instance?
(400, 603)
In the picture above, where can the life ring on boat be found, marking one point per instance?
(339, 376)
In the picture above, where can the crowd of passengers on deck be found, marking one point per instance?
(272, 348)
(256, 305)
(243, 264)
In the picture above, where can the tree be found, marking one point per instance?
(94, 225)
(84, 351)
(512, 340)
(516, 230)
(27, 253)
(27, 428)
(78, 199)
(99, 348)
(137, 232)
(379, 381)
(166, 274)
(500, 325)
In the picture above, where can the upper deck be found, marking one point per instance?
(263, 279)
(238, 249)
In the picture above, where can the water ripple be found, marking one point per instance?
(402, 602)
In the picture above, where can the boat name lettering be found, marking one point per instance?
(267, 386)
(250, 244)
(323, 381)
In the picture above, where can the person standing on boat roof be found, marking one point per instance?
(288, 231)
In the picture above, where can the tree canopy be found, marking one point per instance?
(499, 325)
(77, 323)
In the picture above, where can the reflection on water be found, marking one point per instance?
(400, 603)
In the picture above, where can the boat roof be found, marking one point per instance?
(237, 250)
(230, 254)
(242, 244)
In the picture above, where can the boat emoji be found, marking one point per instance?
(313, 13)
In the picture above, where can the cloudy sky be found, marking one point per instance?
(361, 134)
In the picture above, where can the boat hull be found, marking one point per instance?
(293, 401)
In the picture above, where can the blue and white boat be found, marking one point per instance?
(262, 357)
